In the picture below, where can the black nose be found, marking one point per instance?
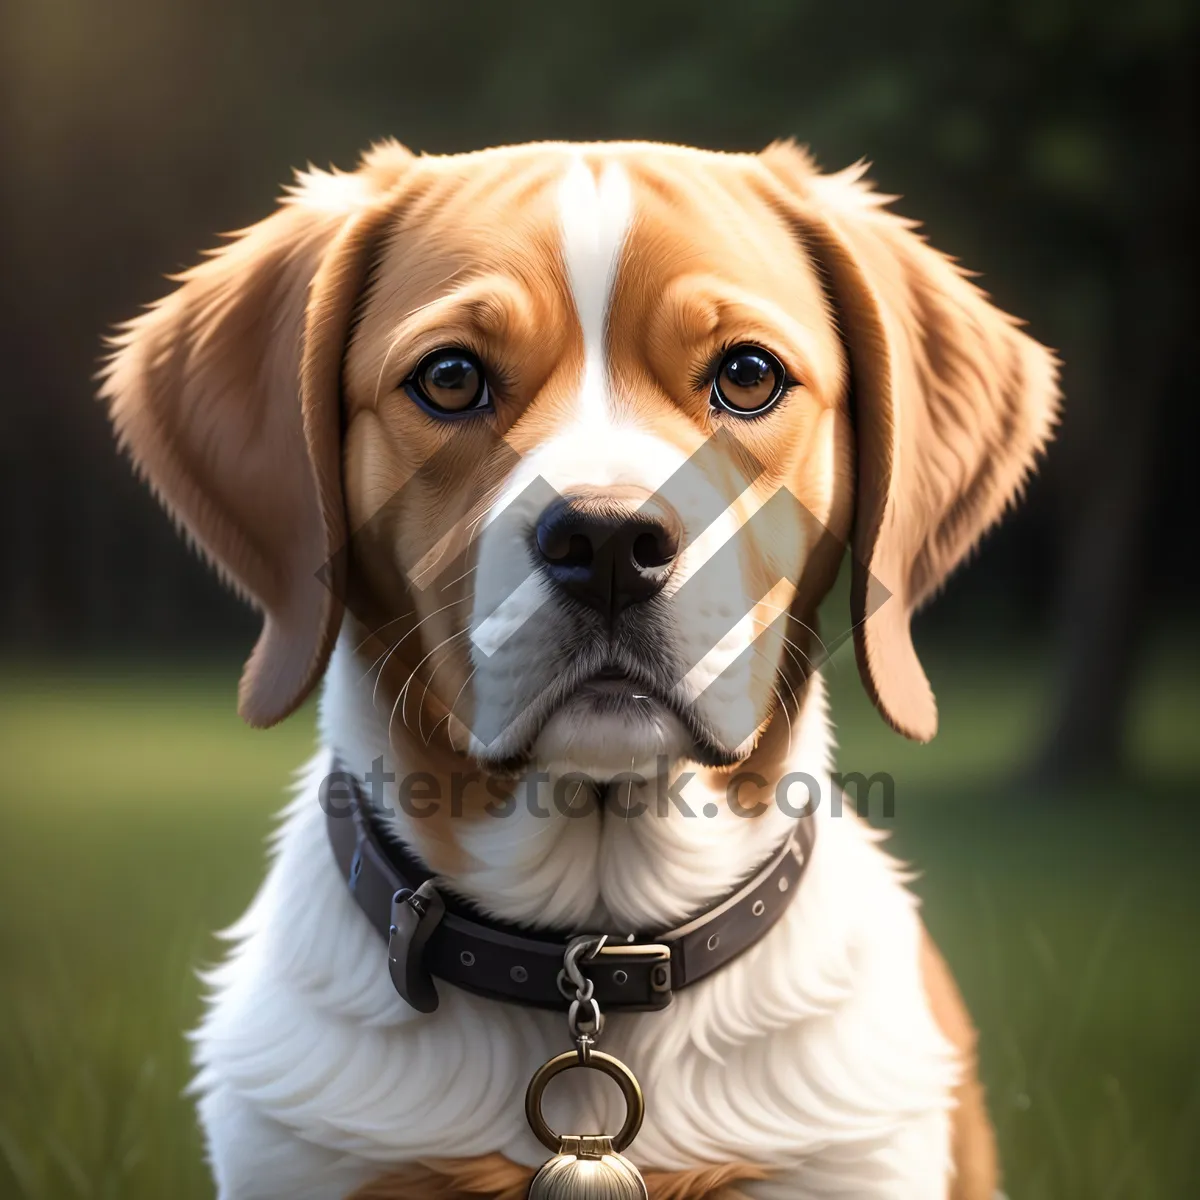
(609, 550)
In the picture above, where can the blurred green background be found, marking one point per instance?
(1050, 144)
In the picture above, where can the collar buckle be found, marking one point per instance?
(637, 977)
(415, 915)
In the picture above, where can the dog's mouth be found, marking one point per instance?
(616, 687)
(613, 690)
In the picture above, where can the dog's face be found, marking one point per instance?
(575, 436)
(594, 428)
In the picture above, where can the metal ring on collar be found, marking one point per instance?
(614, 1068)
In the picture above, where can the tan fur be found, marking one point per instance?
(203, 391)
(953, 404)
(492, 1177)
(973, 1143)
(495, 1177)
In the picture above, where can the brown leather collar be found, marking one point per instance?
(434, 934)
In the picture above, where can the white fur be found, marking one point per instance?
(814, 1052)
(595, 219)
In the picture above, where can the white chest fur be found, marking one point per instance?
(814, 1053)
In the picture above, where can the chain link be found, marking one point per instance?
(584, 1018)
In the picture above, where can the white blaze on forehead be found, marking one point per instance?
(595, 219)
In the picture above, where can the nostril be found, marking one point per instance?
(562, 547)
(579, 552)
(653, 549)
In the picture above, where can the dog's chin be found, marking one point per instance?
(605, 735)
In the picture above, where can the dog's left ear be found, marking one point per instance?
(226, 394)
(951, 404)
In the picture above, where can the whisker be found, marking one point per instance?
(429, 682)
(402, 696)
(789, 645)
(485, 505)
(450, 711)
(792, 690)
(574, 794)
(787, 717)
(393, 648)
(458, 579)
(828, 654)
(377, 632)
(779, 698)
(803, 624)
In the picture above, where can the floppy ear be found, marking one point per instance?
(952, 403)
(226, 396)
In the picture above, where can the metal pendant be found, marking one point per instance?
(587, 1166)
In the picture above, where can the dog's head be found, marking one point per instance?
(575, 436)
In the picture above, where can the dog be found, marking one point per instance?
(539, 460)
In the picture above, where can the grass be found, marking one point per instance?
(133, 812)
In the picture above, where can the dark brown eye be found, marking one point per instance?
(450, 383)
(749, 381)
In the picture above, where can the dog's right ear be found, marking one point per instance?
(226, 394)
(952, 404)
